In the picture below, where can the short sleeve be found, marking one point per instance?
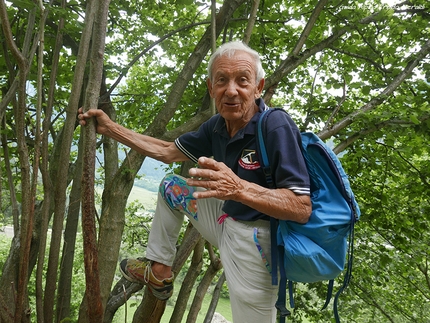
(283, 144)
(198, 143)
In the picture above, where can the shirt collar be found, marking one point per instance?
(249, 128)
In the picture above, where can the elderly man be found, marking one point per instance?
(226, 197)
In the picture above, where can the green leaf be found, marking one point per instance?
(414, 119)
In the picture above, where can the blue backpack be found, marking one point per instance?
(318, 250)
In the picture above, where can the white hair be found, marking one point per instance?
(229, 49)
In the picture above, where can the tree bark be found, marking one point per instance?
(93, 294)
(202, 289)
(69, 246)
(188, 283)
(41, 139)
(251, 21)
(61, 153)
(27, 204)
(215, 298)
(150, 310)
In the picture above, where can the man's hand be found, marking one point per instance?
(102, 119)
(223, 184)
(217, 178)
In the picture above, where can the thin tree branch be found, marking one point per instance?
(337, 108)
(371, 301)
(364, 132)
(37, 153)
(251, 21)
(215, 298)
(362, 57)
(7, 32)
(412, 60)
(27, 204)
(309, 25)
(125, 70)
(292, 62)
(62, 165)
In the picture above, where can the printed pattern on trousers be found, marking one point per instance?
(178, 195)
(260, 249)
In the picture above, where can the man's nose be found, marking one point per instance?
(231, 89)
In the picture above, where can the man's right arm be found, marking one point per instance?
(161, 150)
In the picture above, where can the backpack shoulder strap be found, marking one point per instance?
(276, 252)
(261, 146)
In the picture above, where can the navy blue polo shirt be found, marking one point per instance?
(240, 154)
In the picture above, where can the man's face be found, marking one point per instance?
(233, 86)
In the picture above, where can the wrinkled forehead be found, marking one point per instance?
(234, 61)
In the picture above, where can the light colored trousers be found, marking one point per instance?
(244, 247)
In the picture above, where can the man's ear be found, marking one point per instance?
(209, 84)
(260, 88)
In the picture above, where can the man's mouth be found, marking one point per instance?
(231, 104)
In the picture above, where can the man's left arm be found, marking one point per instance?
(222, 183)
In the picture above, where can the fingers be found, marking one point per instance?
(205, 194)
(205, 164)
(199, 182)
(208, 169)
(218, 180)
(81, 119)
(82, 116)
(202, 173)
(205, 175)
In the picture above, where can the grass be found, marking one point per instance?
(223, 308)
(147, 198)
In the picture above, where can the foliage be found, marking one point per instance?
(78, 274)
(4, 248)
(137, 227)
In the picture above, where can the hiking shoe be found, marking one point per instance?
(139, 271)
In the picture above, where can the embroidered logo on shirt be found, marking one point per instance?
(249, 160)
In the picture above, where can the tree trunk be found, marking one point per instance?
(9, 282)
(150, 310)
(59, 169)
(214, 267)
(215, 297)
(27, 205)
(121, 292)
(69, 246)
(93, 294)
(188, 283)
(44, 168)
